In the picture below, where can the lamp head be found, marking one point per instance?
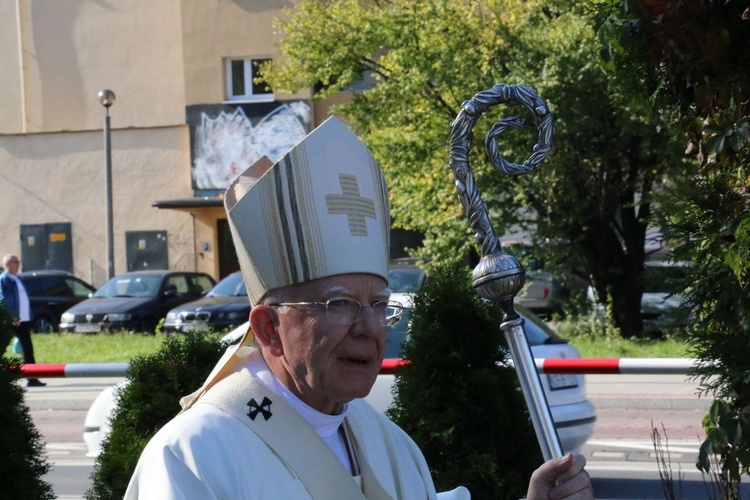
(107, 98)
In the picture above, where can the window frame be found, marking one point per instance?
(248, 74)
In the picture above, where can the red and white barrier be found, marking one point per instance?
(664, 366)
(75, 370)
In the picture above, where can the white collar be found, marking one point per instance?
(325, 425)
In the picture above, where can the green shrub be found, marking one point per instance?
(151, 398)
(22, 458)
(466, 413)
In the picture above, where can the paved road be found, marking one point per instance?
(627, 406)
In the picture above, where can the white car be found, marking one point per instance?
(572, 412)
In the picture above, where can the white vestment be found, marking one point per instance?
(207, 453)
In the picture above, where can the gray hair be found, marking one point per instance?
(7, 258)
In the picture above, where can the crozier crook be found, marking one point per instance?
(498, 276)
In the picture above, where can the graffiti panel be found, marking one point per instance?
(225, 139)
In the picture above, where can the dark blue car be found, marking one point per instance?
(135, 301)
(225, 307)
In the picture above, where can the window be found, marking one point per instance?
(79, 289)
(178, 283)
(41, 286)
(241, 85)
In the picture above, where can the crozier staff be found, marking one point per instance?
(285, 419)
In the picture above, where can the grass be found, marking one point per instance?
(593, 339)
(613, 347)
(83, 348)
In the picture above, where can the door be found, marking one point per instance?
(47, 246)
(146, 250)
(228, 262)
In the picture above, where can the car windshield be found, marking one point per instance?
(537, 332)
(405, 279)
(130, 285)
(231, 286)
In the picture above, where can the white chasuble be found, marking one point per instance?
(208, 453)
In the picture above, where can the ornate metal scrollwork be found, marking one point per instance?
(498, 277)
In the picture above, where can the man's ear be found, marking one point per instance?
(264, 321)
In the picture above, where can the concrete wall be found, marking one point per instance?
(59, 177)
(217, 30)
(73, 49)
(158, 58)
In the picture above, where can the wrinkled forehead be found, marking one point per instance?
(339, 285)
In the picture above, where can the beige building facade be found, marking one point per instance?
(187, 119)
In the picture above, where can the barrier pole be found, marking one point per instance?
(612, 366)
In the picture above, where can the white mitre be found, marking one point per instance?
(320, 211)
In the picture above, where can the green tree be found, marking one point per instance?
(692, 59)
(456, 400)
(149, 400)
(22, 459)
(593, 197)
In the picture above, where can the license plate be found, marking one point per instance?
(194, 326)
(88, 328)
(559, 381)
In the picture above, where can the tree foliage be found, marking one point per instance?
(456, 400)
(22, 458)
(149, 400)
(593, 197)
(693, 60)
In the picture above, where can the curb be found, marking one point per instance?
(59, 404)
(651, 403)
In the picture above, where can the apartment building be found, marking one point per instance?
(186, 120)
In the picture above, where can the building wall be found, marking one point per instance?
(214, 31)
(59, 177)
(10, 77)
(160, 59)
(73, 49)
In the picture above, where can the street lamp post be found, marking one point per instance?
(107, 98)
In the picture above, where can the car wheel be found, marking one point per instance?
(42, 324)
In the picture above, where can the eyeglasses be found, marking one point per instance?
(346, 311)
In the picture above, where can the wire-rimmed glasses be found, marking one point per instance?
(345, 310)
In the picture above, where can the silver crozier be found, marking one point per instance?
(498, 276)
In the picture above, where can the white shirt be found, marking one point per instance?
(23, 299)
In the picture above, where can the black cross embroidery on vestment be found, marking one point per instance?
(264, 408)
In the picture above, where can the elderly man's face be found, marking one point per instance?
(325, 363)
(13, 264)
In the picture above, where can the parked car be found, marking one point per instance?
(404, 275)
(50, 294)
(135, 301)
(543, 292)
(224, 307)
(572, 412)
(662, 303)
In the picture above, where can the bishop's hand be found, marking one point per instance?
(562, 477)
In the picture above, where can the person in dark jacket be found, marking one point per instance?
(13, 296)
